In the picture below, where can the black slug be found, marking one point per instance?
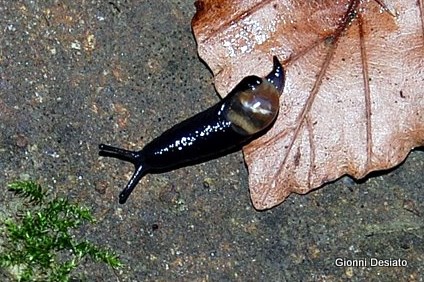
(245, 113)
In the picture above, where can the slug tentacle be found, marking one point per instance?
(139, 172)
(247, 112)
(122, 154)
(134, 157)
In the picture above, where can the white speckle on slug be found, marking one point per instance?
(257, 107)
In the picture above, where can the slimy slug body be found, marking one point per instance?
(243, 115)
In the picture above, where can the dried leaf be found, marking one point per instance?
(354, 97)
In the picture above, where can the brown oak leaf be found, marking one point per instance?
(354, 95)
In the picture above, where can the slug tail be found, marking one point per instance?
(277, 76)
(134, 157)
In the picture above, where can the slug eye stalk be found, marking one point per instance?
(128, 156)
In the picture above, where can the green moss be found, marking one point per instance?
(38, 243)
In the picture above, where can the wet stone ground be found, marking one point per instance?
(74, 74)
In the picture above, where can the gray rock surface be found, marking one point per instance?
(74, 74)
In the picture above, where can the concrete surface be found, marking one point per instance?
(74, 74)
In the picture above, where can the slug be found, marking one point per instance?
(247, 112)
